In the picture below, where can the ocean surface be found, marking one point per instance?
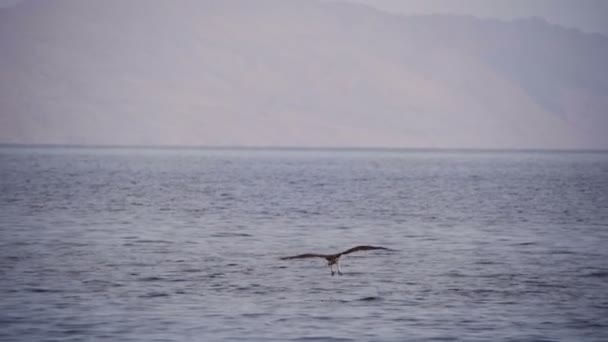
(184, 245)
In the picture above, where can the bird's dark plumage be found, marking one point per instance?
(307, 255)
(362, 248)
(334, 259)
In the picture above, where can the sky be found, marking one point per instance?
(585, 15)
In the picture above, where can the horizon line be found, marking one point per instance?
(300, 148)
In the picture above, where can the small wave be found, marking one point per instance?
(243, 288)
(321, 289)
(307, 212)
(13, 258)
(42, 290)
(485, 291)
(22, 243)
(151, 279)
(369, 298)
(525, 244)
(562, 251)
(321, 338)
(542, 284)
(178, 280)
(598, 274)
(100, 282)
(192, 270)
(153, 241)
(445, 338)
(486, 262)
(254, 314)
(154, 295)
(455, 274)
(65, 244)
(231, 235)
(134, 264)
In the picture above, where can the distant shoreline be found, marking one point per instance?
(302, 148)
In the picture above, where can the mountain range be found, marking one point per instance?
(294, 73)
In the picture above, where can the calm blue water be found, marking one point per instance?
(183, 245)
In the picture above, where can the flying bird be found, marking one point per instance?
(334, 259)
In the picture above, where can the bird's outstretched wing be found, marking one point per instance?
(307, 255)
(363, 248)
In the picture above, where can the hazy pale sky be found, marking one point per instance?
(586, 15)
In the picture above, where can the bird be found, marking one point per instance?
(334, 259)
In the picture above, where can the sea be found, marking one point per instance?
(184, 244)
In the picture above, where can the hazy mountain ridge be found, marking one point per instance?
(294, 72)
